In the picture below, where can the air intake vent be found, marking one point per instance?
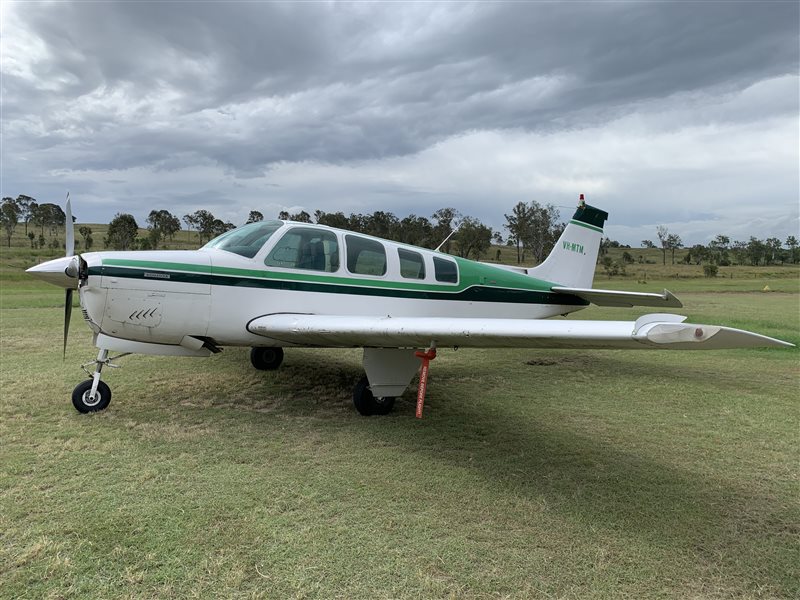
(85, 315)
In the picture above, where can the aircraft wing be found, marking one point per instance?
(616, 298)
(649, 331)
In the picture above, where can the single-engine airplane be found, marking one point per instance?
(276, 284)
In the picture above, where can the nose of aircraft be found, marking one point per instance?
(62, 272)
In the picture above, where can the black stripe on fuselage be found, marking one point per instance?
(476, 293)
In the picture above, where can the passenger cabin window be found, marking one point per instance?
(411, 264)
(445, 270)
(365, 256)
(246, 240)
(306, 248)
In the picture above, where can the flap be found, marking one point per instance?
(627, 299)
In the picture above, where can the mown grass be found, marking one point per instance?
(533, 474)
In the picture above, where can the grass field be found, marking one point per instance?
(535, 474)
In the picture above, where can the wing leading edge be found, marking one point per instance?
(650, 331)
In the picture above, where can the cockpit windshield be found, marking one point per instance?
(246, 240)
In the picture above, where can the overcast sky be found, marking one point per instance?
(676, 113)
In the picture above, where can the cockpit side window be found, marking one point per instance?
(246, 240)
(306, 248)
(445, 270)
(365, 256)
(412, 266)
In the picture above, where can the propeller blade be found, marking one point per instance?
(70, 240)
(67, 316)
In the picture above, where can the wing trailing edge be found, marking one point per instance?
(665, 299)
(650, 331)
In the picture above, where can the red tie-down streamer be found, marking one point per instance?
(426, 358)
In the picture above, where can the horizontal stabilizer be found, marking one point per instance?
(616, 298)
(650, 331)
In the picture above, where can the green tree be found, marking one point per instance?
(792, 244)
(446, 219)
(739, 252)
(543, 230)
(648, 244)
(382, 224)
(86, 234)
(161, 224)
(336, 219)
(719, 248)
(612, 267)
(254, 217)
(699, 253)
(218, 227)
(190, 224)
(27, 206)
(204, 222)
(122, 232)
(473, 238)
(517, 225)
(663, 237)
(756, 251)
(9, 216)
(772, 250)
(604, 246)
(415, 230)
(673, 243)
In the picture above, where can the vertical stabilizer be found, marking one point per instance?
(573, 259)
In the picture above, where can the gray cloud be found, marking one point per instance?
(146, 92)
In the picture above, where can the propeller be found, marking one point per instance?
(70, 247)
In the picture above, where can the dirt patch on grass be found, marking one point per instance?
(549, 361)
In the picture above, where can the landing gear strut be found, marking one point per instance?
(389, 371)
(94, 395)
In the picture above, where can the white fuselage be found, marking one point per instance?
(160, 297)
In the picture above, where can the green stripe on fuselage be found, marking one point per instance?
(478, 283)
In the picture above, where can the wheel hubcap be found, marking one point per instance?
(87, 398)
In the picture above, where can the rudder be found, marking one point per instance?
(573, 259)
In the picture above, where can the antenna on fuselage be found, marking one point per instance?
(439, 247)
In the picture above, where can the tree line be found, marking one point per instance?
(723, 252)
(532, 229)
(44, 217)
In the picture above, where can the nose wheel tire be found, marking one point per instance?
(367, 404)
(84, 404)
(266, 359)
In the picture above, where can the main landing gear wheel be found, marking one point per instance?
(266, 359)
(84, 404)
(367, 404)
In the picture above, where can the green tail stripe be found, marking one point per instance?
(582, 224)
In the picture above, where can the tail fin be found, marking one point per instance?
(574, 257)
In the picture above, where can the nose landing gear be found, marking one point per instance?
(82, 398)
(94, 395)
